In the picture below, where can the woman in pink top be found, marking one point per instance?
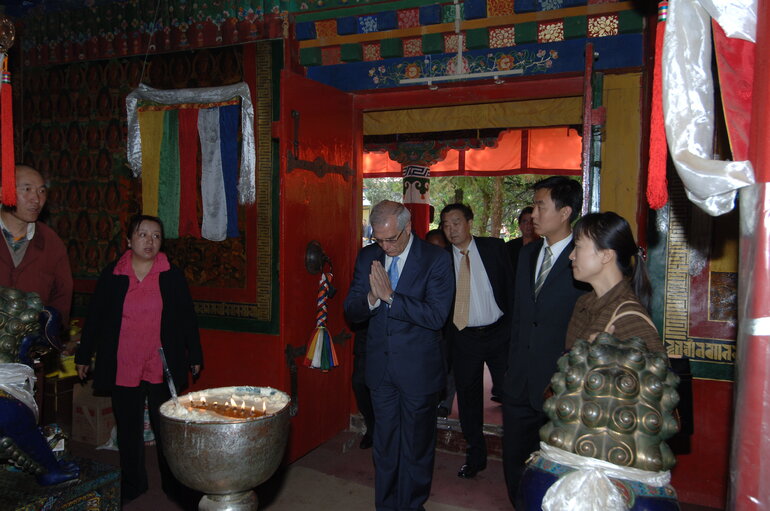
(141, 303)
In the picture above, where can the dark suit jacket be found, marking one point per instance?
(514, 248)
(539, 326)
(494, 256)
(405, 338)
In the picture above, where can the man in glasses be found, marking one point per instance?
(404, 287)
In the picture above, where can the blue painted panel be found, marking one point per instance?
(430, 14)
(305, 30)
(521, 6)
(387, 20)
(621, 51)
(347, 25)
(475, 9)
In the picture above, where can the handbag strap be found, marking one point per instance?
(615, 316)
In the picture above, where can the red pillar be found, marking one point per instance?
(750, 459)
(417, 197)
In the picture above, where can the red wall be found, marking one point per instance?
(701, 477)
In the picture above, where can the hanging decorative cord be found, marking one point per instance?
(320, 351)
(657, 184)
(6, 138)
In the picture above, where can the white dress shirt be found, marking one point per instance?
(483, 307)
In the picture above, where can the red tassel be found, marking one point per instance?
(657, 184)
(6, 139)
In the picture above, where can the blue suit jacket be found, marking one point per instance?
(405, 338)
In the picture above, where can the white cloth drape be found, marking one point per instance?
(214, 226)
(18, 380)
(688, 98)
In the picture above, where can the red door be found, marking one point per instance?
(320, 187)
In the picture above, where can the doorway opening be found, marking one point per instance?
(491, 170)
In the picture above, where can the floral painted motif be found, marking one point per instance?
(450, 43)
(408, 18)
(549, 5)
(412, 70)
(326, 28)
(528, 61)
(448, 13)
(413, 47)
(371, 51)
(330, 56)
(367, 24)
(550, 32)
(499, 7)
(501, 37)
(602, 26)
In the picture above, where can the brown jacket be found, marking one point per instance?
(591, 315)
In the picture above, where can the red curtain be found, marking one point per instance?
(545, 151)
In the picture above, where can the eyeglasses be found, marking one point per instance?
(389, 240)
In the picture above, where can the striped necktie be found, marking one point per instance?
(544, 269)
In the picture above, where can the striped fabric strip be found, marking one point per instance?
(188, 170)
(229, 127)
(151, 130)
(168, 180)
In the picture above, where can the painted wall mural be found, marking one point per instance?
(529, 59)
(693, 261)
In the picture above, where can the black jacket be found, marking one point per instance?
(178, 330)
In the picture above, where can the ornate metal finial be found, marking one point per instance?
(7, 33)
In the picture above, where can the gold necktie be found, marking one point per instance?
(463, 292)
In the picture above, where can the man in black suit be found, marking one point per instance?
(543, 302)
(404, 287)
(479, 327)
(527, 236)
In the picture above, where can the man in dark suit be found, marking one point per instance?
(543, 302)
(404, 287)
(527, 236)
(479, 327)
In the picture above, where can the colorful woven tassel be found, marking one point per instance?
(7, 160)
(657, 184)
(320, 351)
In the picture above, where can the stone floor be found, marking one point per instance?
(339, 476)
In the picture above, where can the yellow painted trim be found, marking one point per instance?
(621, 147)
(512, 114)
(495, 21)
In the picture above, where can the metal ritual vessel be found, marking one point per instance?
(228, 457)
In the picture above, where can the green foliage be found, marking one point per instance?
(384, 188)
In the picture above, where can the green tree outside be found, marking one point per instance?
(496, 200)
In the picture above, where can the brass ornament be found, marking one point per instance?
(614, 401)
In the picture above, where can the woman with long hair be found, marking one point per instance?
(607, 257)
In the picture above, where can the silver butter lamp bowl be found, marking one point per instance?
(227, 458)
